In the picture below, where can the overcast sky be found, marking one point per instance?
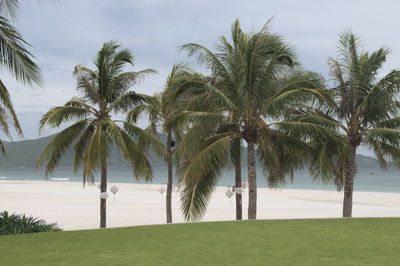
(65, 33)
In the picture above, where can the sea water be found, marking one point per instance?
(366, 179)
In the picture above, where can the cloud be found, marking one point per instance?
(65, 33)
(131, 41)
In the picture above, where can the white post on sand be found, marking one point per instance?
(162, 190)
(229, 194)
(114, 189)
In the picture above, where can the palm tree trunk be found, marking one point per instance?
(251, 168)
(103, 188)
(350, 172)
(169, 184)
(238, 183)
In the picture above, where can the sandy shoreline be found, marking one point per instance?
(73, 207)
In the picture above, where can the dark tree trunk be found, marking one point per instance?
(103, 188)
(251, 168)
(169, 185)
(350, 172)
(238, 183)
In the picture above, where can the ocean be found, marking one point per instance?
(366, 180)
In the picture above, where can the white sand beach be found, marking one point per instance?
(73, 207)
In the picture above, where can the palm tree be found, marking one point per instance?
(160, 110)
(366, 109)
(104, 91)
(254, 83)
(15, 57)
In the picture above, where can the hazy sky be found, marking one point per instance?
(69, 32)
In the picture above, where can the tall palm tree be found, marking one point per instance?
(254, 85)
(366, 109)
(103, 91)
(160, 110)
(15, 57)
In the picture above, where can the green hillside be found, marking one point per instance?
(25, 154)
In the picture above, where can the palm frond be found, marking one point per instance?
(96, 152)
(8, 111)
(82, 144)
(127, 101)
(15, 57)
(393, 122)
(146, 139)
(60, 144)
(9, 8)
(199, 173)
(387, 135)
(205, 56)
(196, 194)
(86, 83)
(309, 131)
(132, 151)
(121, 83)
(186, 117)
(58, 115)
(3, 148)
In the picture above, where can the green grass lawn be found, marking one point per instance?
(273, 242)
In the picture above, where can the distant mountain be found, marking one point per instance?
(363, 161)
(26, 153)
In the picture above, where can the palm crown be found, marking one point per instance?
(103, 92)
(366, 103)
(253, 83)
(364, 108)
